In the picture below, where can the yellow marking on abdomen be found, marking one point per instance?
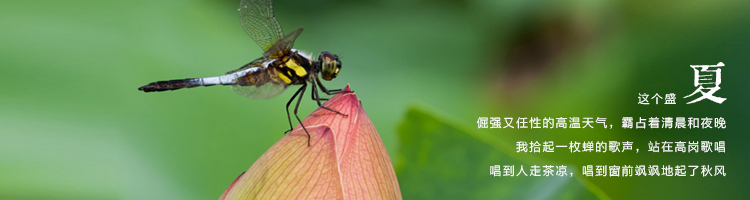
(299, 70)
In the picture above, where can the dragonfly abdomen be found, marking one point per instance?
(183, 83)
(159, 86)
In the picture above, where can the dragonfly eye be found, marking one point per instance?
(330, 64)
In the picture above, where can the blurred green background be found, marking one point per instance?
(73, 125)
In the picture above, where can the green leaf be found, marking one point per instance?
(437, 160)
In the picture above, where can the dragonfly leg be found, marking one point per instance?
(297, 116)
(323, 88)
(315, 93)
(316, 96)
(289, 117)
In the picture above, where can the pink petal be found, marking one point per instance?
(346, 160)
(292, 170)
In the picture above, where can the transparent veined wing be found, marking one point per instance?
(259, 81)
(283, 46)
(264, 91)
(258, 20)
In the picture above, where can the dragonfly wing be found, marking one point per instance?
(258, 20)
(264, 91)
(283, 46)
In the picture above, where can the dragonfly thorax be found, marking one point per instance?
(294, 69)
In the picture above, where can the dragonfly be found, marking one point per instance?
(280, 67)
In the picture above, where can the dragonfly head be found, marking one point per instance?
(330, 65)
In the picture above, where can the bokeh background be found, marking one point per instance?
(73, 125)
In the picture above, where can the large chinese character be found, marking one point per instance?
(707, 77)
